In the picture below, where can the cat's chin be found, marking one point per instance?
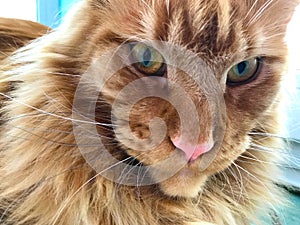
(184, 184)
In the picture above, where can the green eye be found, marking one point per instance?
(148, 60)
(244, 72)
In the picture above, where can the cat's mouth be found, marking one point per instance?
(187, 182)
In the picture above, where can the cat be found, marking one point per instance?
(15, 33)
(196, 149)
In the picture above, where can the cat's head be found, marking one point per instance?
(209, 69)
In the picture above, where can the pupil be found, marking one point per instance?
(147, 58)
(242, 67)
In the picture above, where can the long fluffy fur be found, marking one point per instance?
(15, 33)
(44, 178)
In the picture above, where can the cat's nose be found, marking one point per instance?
(193, 152)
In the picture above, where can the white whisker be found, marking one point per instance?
(52, 114)
(63, 206)
(260, 12)
(262, 183)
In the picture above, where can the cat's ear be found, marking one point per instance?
(280, 11)
(273, 12)
(286, 9)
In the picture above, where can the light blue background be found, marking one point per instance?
(50, 12)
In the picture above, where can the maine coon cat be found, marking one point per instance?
(239, 44)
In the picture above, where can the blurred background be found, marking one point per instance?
(48, 12)
(52, 12)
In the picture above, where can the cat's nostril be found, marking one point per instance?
(192, 152)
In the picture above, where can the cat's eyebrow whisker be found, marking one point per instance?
(251, 9)
(168, 6)
(260, 12)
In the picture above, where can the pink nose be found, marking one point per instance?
(192, 152)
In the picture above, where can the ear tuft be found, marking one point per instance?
(291, 7)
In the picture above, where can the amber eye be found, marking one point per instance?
(147, 60)
(244, 72)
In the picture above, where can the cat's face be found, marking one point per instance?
(238, 42)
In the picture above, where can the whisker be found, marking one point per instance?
(274, 136)
(50, 130)
(256, 160)
(251, 9)
(53, 114)
(260, 12)
(257, 179)
(237, 182)
(241, 186)
(62, 208)
(64, 74)
(59, 142)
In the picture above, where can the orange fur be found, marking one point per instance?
(16, 33)
(44, 178)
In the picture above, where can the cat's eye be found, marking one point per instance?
(244, 72)
(148, 60)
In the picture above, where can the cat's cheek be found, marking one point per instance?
(234, 144)
(256, 97)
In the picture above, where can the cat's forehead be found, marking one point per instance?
(198, 25)
(216, 28)
(201, 25)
